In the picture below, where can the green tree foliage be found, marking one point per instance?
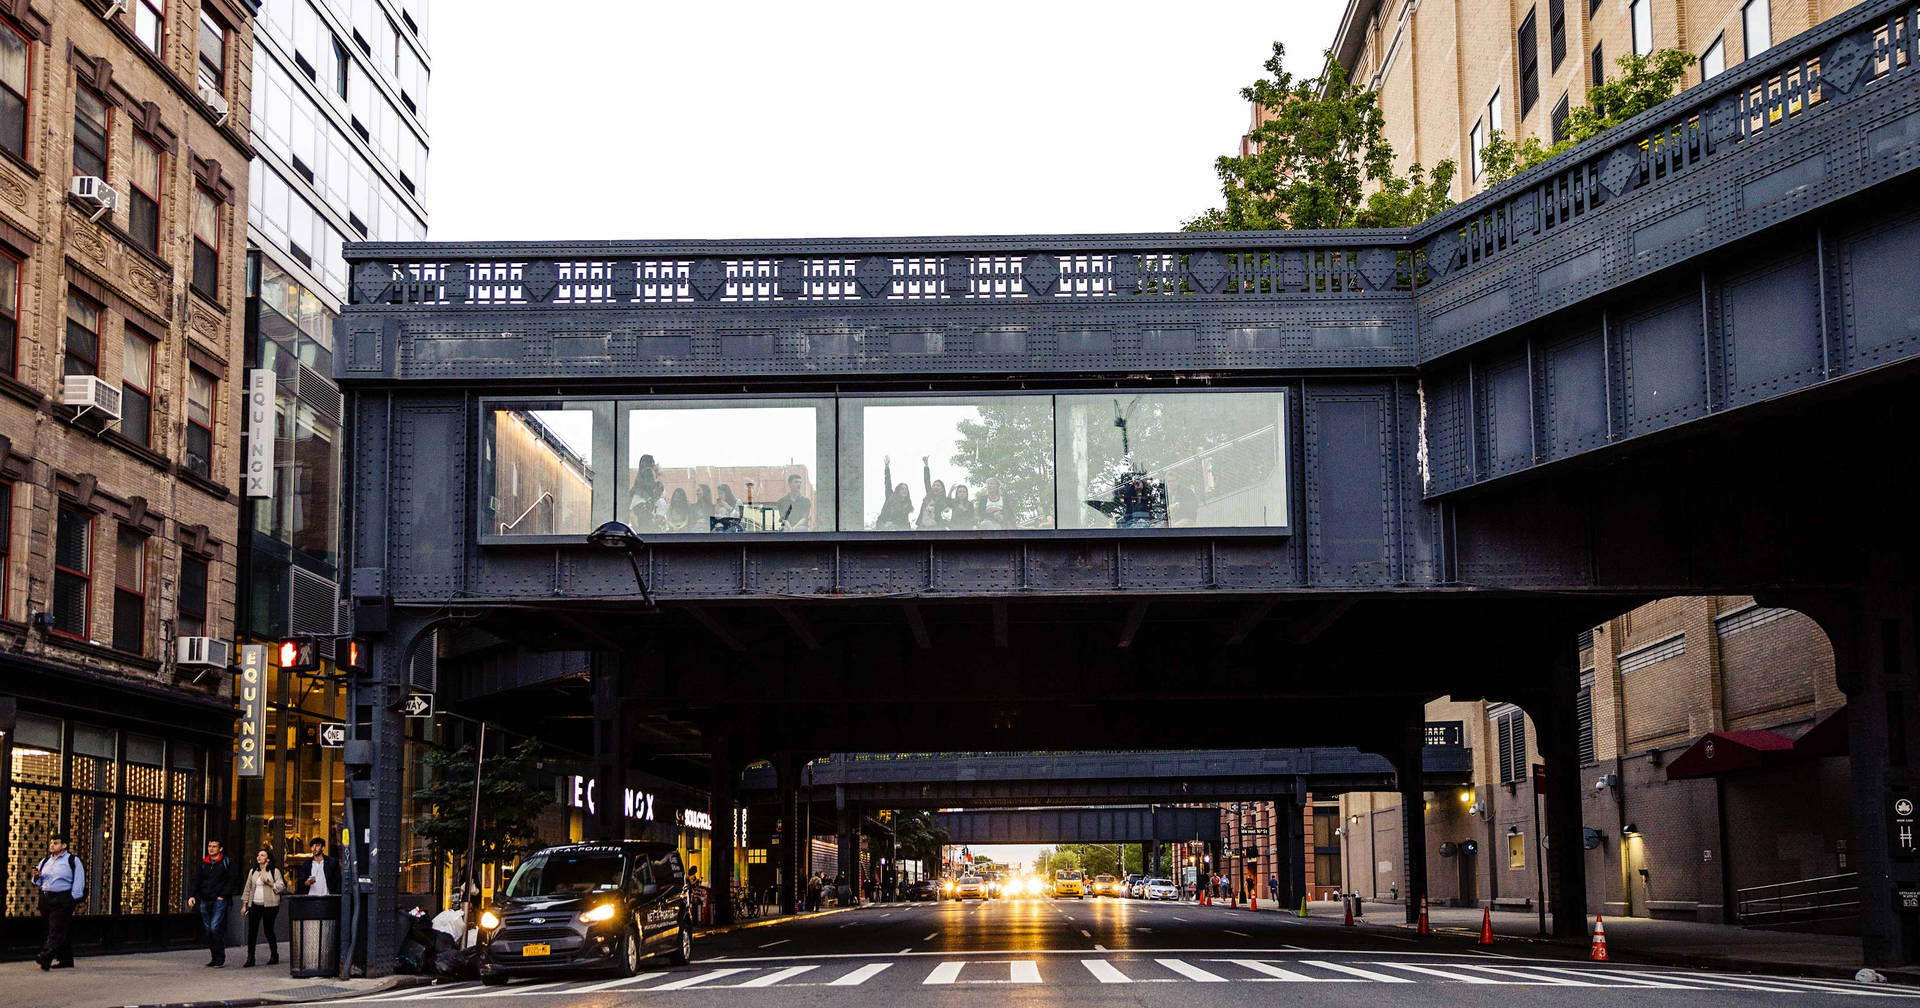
(1012, 442)
(1321, 145)
(1643, 82)
(508, 804)
(920, 840)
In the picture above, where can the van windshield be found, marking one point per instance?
(559, 873)
(1067, 876)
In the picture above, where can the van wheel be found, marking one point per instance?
(682, 953)
(630, 951)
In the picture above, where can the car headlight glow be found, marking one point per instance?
(489, 920)
(603, 912)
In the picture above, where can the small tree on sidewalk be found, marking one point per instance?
(509, 804)
(1644, 81)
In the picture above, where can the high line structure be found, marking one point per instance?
(1210, 478)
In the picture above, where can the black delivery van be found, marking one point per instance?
(588, 908)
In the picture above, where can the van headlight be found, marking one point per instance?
(603, 912)
(489, 920)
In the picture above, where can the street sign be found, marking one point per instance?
(1254, 831)
(333, 735)
(418, 705)
(1901, 823)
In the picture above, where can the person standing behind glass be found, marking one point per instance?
(679, 511)
(896, 515)
(960, 513)
(796, 510)
(991, 509)
(62, 881)
(260, 903)
(726, 505)
(934, 506)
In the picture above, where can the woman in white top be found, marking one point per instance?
(260, 902)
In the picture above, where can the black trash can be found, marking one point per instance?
(313, 935)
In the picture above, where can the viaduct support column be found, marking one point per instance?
(1555, 715)
(610, 756)
(792, 858)
(1291, 843)
(725, 772)
(849, 841)
(1409, 768)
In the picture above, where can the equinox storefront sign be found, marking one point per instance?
(583, 793)
(253, 711)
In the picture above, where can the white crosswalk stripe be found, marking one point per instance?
(1529, 977)
(778, 975)
(1442, 974)
(861, 975)
(945, 973)
(1190, 971)
(632, 981)
(1355, 971)
(1104, 971)
(1273, 972)
(698, 979)
(1023, 971)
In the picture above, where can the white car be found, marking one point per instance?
(1160, 888)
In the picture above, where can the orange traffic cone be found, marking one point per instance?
(1599, 953)
(1486, 925)
(1425, 928)
(1348, 922)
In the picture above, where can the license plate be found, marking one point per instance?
(536, 949)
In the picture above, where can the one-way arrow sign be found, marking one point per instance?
(333, 734)
(418, 705)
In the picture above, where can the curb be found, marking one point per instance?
(404, 982)
(771, 921)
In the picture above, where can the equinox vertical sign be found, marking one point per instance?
(252, 689)
(260, 433)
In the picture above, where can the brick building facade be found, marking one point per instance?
(123, 207)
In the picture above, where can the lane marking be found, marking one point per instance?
(1242, 934)
(771, 944)
(904, 951)
(616, 984)
(1277, 973)
(1104, 971)
(1023, 971)
(931, 937)
(1615, 978)
(1179, 918)
(944, 973)
(1084, 933)
(504, 991)
(1099, 948)
(778, 975)
(1355, 971)
(1443, 974)
(696, 980)
(1191, 972)
(1772, 985)
(1528, 977)
(860, 976)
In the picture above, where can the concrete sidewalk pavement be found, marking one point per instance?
(171, 978)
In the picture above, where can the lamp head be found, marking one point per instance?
(615, 535)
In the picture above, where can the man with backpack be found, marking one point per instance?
(62, 881)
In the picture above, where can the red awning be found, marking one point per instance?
(1827, 738)
(1719, 752)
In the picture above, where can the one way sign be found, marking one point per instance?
(333, 734)
(418, 705)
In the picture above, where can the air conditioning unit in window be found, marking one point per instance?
(113, 9)
(200, 651)
(91, 397)
(94, 191)
(216, 102)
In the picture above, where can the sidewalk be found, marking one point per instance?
(1639, 939)
(171, 978)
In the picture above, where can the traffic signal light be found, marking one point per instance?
(351, 655)
(299, 654)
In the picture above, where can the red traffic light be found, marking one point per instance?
(299, 654)
(352, 655)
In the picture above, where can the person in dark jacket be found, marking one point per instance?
(210, 891)
(322, 874)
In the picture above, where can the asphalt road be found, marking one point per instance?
(1112, 951)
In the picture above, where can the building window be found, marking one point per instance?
(1558, 119)
(83, 335)
(1599, 66)
(206, 244)
(1511, 729)
(1495, 123)
(342, 64)
(1516, 850)
(16, 70)
(1583, 711)
(1641, 14)
(92, 125)
(200, 423)
(213, 53)
(1714, 61)
(1528, 41)
(136, 387)
(1757, 18)
(9, 314)
(6, 542)
(130, 592)
(1476, 142)
(143, 211)
(150, 24)
(72, 573)
(1557, 30)
(192, 617)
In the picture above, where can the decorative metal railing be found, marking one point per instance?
(1800, 79)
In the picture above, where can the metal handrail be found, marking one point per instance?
(1831, 896)
(545, 496)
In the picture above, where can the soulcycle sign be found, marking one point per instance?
(584, 792)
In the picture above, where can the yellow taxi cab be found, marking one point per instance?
(1068, 883)
(1104, 885)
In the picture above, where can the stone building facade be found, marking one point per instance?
(123, 206)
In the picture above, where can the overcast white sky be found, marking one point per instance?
(762, 119)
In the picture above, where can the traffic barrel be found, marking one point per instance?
(1486, 925)
(1347, 901)
(1599, 953)
(1425, 928)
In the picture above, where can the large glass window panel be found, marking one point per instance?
(939, 463)
(90, 821)
(33, 815)
(551, 469)
(1172, 460)
(140, 858)
(727, 465)
(314, 524)
(36, 751)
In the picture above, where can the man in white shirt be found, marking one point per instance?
(323, 876)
